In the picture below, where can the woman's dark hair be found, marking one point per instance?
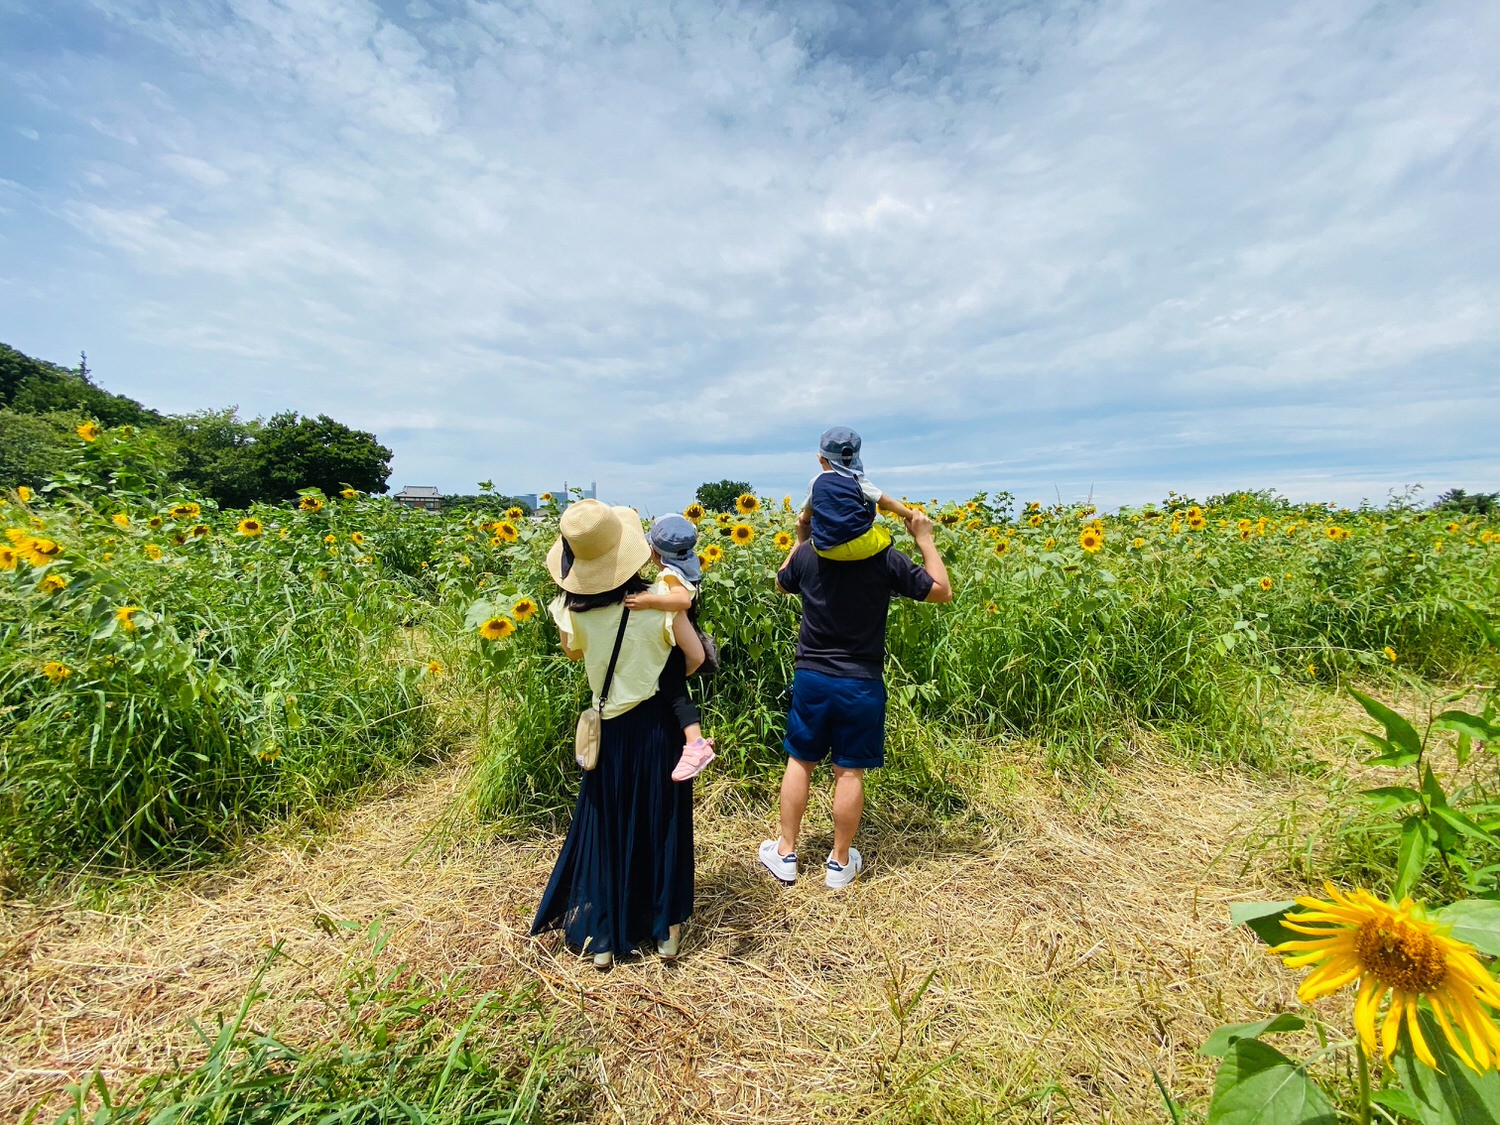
(580, 603)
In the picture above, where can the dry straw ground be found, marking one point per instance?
(1076, 937)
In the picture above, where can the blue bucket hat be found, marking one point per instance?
(676, 541)
(840, 445)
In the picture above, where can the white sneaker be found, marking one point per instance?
(841, 875)
(784, 867)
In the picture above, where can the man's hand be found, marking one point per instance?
(918, 524)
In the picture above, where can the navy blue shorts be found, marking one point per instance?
(838, 714)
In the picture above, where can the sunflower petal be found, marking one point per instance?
(1418, 1043)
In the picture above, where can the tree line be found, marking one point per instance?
(213, 453)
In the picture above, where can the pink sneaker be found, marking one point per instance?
(695, 755)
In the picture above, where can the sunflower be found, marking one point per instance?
(330, 539)
(523, 608)
(187, 511)
(24, 494)
(199, 530)
(152, 551)
(693, 512)
(1137, 542)
(723, 519)
(434, 667)
(497, 628)
(506, 532)
(52, 584)
(712, 554)
(1395, 949)
(1050, 543)
(784, 539)
(1244, 525)
(356, 537)
(545, 498)
(249, 527)
(56, 671)
(88, 431)
(310, 504)
(1266, 583)
(155, 522)
(1195, 513)
(1332, 531)
(746, 502)
(348, 494)
(786, 503)
(743, 534)
(1036, 520)
(1197, 523)
(1452, 529)
(1390, 653)
(8, 558)
(1002, 546)
(1091, 539)
(39, 552)
(1312, 670)
(514, 513)
(120, 520)
(991, 607)
(125, 615)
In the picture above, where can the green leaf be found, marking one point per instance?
(1397, 729)
(1402, 793)
(1464, 723)
(1476, 921)
(1416, 839)
(1258, 1085)
(1490, 633)
(1265, 919)
(1456, 1096)
(1462, 824)
(1225, 1037)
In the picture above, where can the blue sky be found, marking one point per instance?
(1104, 248)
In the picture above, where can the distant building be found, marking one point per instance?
(564, 497)
(422, 496)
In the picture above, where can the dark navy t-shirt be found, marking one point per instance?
(844, 606)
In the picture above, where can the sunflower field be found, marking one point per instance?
(173, 676)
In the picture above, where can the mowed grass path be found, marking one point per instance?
(1076, 936)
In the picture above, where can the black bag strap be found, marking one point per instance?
(614, 656)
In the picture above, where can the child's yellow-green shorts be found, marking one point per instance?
(865, 546)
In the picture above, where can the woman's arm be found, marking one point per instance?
(687, 640)
(566, 640)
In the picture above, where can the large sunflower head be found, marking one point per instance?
(1035, 519)
(56, 671)
(712, 554)
(497, 628)
(8, 558)
(784, 540)
(506, 532)
(1267, 582)
(310, 504)
(1397, 950)
(514, 513)
(724, 519)
(88, 431)
(348, 493)
(693, 512)
(1091, 539)
(187, 511)
(743, 534)
(250, 527)
(523, 608)
(1002, 546)
(52, 584)
(1196, 523)
(747, 502)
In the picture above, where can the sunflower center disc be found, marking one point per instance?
(1400, 956)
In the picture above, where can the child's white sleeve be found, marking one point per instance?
(870, 489)
(807, 503)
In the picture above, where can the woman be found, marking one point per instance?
(625, 875)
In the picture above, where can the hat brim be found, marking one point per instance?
(599, 576)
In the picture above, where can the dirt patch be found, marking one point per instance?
(1038, 959)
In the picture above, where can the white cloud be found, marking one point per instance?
(1134, 245)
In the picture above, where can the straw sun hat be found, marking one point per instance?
(599, 548)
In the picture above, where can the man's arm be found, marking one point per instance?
(804, 532)
(920, 526)
(687, 640)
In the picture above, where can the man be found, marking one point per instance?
(838, 689)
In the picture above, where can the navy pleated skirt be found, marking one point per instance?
(626, 869)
